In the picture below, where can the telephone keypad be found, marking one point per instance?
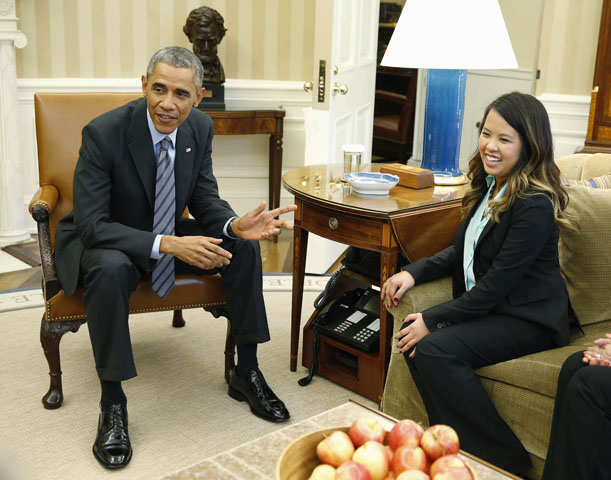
(342, 326)
(363, 335)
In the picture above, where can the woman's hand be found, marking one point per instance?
(599, 353)
(603, 341)
(394, 288)
(411, 334)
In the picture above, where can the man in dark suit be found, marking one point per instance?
(127, 222)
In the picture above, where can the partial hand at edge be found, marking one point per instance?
(259, 224)
(394, 288)
(199, 251)
(599, 353)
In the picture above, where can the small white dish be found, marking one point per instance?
(371, 183)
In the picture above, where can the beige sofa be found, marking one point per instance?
(523, 389)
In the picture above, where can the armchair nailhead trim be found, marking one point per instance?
(144, 310)
(39, 203)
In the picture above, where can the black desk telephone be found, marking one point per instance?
(353, 318)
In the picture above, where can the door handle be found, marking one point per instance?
(308, 86)
(343, 89)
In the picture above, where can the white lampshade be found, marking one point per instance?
(450, 34)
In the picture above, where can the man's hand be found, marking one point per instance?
(410, 335)
(199, 251)
(261, 225)
(394, 288)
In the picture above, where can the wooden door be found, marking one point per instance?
(598, 138)
(345, 57)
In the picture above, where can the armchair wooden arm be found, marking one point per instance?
(41, 206)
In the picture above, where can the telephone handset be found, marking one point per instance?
(353, 318)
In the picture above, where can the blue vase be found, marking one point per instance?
(445, 101)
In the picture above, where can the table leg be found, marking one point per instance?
(388, 266)
(300, 247)
(275, 171)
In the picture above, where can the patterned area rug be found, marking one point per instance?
(179, 410)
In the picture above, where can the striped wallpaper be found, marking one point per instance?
(569, 40)
(266, 39)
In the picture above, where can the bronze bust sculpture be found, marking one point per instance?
(205, 30)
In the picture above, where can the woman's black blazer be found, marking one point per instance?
(516, 271)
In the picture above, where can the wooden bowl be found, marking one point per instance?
(298, 459)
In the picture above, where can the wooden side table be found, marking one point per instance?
(417, 222)
(255, 122)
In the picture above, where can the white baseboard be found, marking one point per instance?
(240, 162)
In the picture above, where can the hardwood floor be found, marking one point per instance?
(276, 258)
(31, 277)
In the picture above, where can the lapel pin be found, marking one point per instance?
(188, 149)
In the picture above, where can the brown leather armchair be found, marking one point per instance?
(59, 121)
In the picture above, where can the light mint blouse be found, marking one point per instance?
(476, 225)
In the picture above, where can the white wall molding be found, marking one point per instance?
(568, 115)
(13, 228)
(240, 162)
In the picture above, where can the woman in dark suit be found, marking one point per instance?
(581, 426)
(509, 298)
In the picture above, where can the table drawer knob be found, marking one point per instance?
(333, 223)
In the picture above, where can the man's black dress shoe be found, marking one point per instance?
(254, 389)
(112, 447)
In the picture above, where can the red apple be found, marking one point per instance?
(335, 449)
(323, 472)
(439, 440)
(405, 432)
(375, 457)
(352, 470)
(365, 429)
(409, 458)
(462, 473)
(446, 463)
(413, 475)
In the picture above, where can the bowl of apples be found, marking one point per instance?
(365, 451)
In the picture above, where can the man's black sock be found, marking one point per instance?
(247, 359)
(112, 394)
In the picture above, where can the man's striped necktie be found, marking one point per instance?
(164, 218)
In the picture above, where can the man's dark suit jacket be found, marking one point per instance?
(516, 270)
(114, 188)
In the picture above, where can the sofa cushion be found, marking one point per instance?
(581, 166)
(539, 371)
(603, 181)
(598, 164)
(585, 255)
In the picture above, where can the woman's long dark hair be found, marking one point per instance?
(535, 171)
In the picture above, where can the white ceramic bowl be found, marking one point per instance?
(371, 183)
